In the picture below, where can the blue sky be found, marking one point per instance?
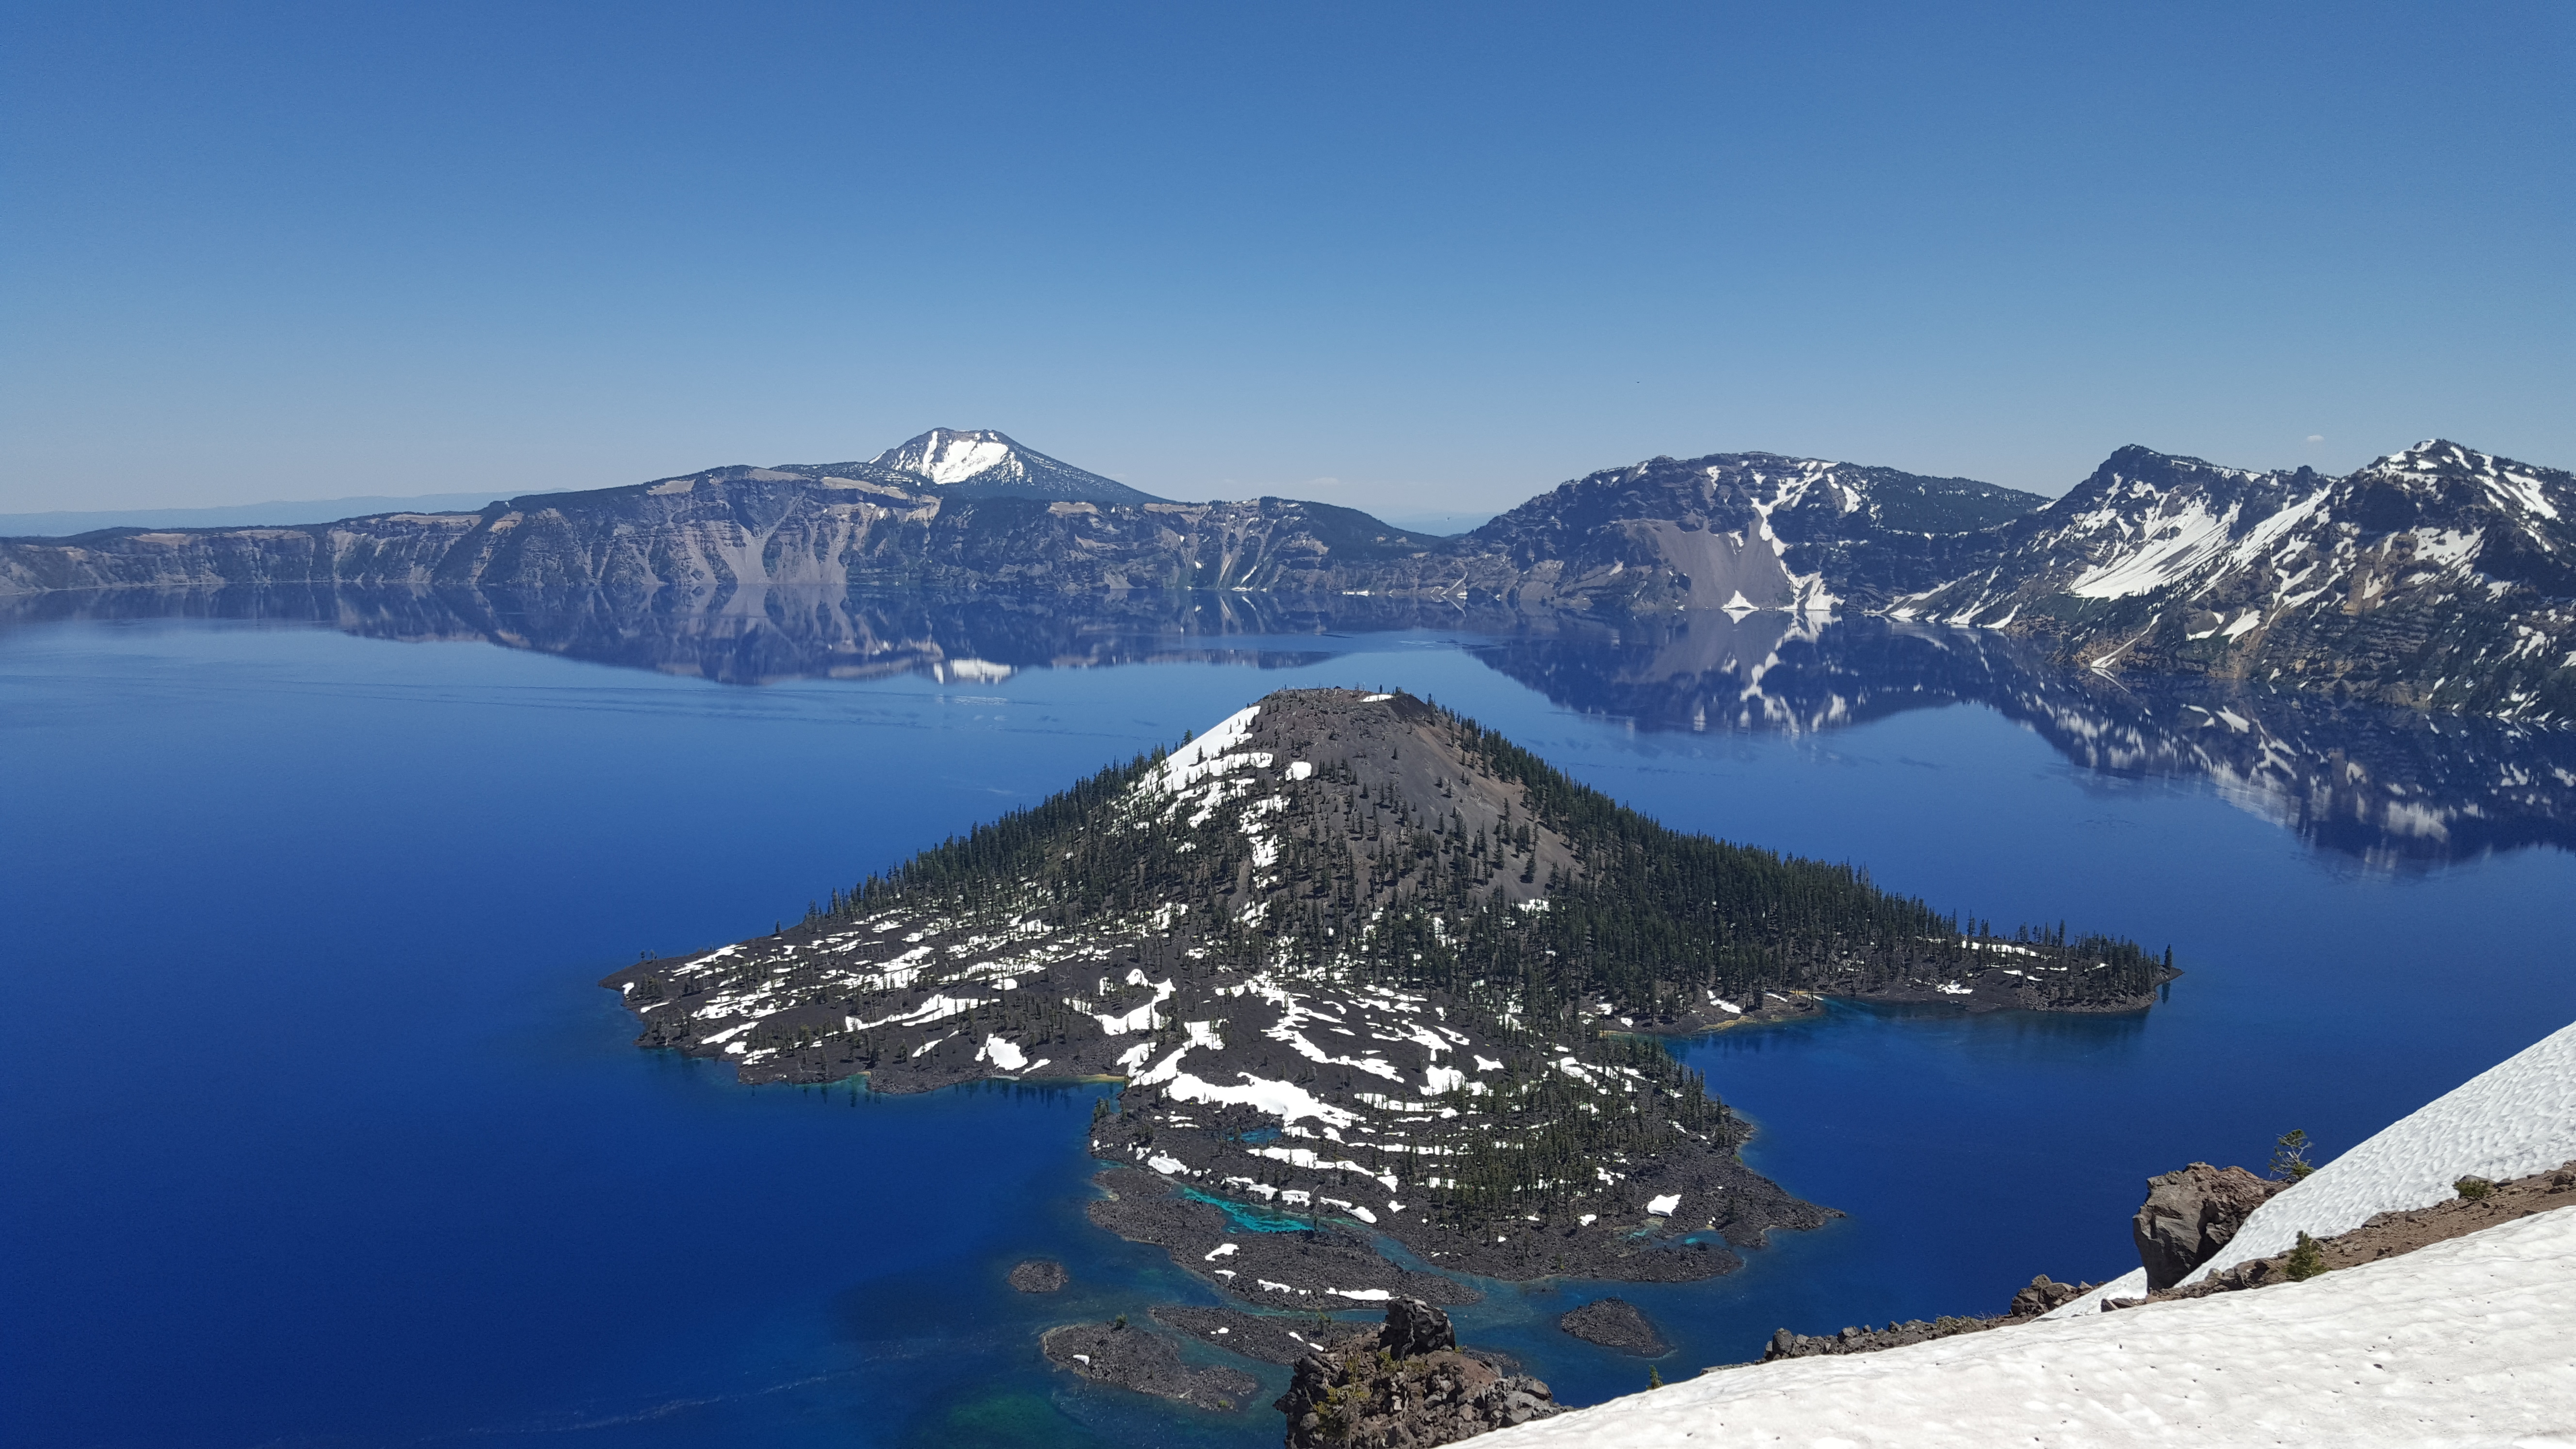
(1402, 257)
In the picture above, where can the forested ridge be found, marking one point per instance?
(1637, 915)
(1353, 953)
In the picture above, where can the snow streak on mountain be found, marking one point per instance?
(987, 462)
(2440, 577)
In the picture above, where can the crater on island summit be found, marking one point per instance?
(1369, 972)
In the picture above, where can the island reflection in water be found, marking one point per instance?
(2390, 790)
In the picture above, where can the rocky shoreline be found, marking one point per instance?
(1322, 1266)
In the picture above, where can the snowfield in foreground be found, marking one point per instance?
(2469, 1342)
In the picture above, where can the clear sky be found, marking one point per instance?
(1403, 257)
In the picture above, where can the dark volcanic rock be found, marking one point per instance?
(1316, 1270)
(1269, 1337)
(1414, 1328)
(1039, 1275)
(1359, 1393)
(1615, 1323)
(2189, 1215)
(1134, 1358)
(2043, 1294)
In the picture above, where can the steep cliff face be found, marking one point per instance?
(735, 529)
(969, 512)
(1734, 530)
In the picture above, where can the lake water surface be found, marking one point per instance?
(317, 1132)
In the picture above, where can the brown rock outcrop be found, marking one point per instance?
(2189, 1215)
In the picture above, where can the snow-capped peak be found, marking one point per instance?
(949, 455)
(984, 463)
(2518, 489)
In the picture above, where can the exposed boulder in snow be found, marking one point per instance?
(2480, 1206)
(2511, 1120)
(2190, 1215)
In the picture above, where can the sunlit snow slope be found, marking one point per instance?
(2515, 1118)
(2471, 1341)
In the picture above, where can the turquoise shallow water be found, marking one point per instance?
(319, 1134)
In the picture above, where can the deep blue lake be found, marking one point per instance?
(317, 1132)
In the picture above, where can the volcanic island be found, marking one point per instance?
(1370, 975)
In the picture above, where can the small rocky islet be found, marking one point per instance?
(1618, 1324)
(1039, 1275)
(1371, 976)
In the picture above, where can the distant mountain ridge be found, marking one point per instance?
(2439, 577)
(1737, 530)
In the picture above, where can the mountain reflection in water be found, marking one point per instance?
(2392, 790)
